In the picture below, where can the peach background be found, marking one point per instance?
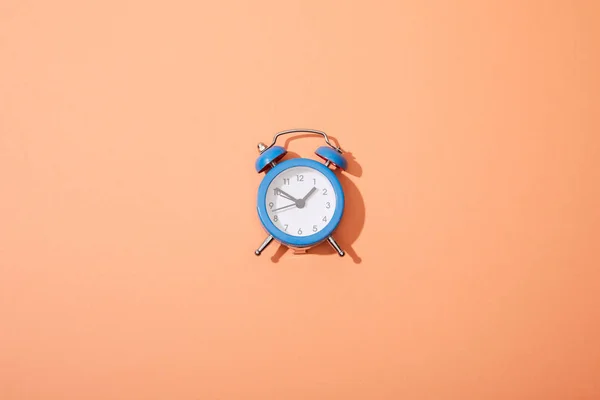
(127, 207)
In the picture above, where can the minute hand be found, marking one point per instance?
(287, 195)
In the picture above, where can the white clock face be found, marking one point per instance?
(300, 201)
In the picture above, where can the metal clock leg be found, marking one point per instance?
(264, 244)
(336, 246)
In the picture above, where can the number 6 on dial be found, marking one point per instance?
(300, 201)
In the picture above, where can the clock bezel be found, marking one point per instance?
(300, 241)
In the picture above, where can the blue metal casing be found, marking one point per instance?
(329, 154)
(273, 154)
(300, 241)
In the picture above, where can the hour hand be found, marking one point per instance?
(309, 193)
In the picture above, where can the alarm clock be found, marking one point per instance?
(300, 201)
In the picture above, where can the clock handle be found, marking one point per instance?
(262, 148)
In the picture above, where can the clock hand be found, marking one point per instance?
(286, 195)
(309, 193)
(284, 207)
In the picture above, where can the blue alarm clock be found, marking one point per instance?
(300, 201)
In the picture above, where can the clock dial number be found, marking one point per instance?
(300, 178)
(285, 227)
(275, 218)
(328, 205)
(324, 192)
(314, 228)
(286, 181)
(300, 231)
(271, 205)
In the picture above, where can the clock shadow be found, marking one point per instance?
(353, 220)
